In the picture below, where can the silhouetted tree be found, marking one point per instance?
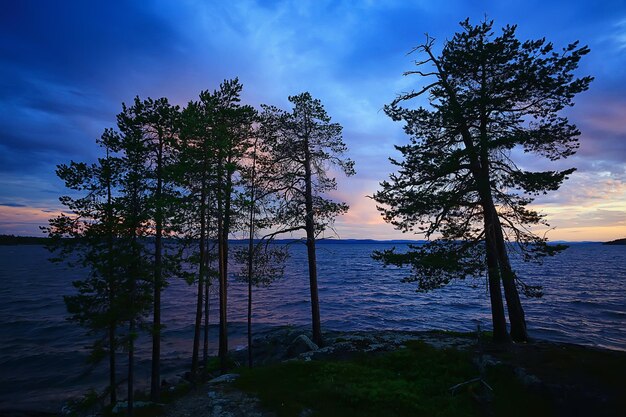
(304, 145)
(262, 262)
(233, 132)
(216, 133)
(491, 97)
(157, 125)
(196, 169)
(135, 210)
(93, 229)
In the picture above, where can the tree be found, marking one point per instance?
(92, 230)
(233, 131)
(157, 124)
(491, 98)
(135, 211)
(261, 261)
(196, 172)
(304, 145)
(215, 135)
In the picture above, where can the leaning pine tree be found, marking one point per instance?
(492, 98)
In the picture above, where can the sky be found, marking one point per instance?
(67, 66)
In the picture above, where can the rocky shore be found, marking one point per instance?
(218, 398)
(578, 380)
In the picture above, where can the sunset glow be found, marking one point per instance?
(66, 73)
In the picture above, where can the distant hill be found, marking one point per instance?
(616, 242)
(339, 241)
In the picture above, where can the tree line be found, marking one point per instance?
(172, 185)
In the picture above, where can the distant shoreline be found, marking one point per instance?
(11, 240)
(616, 242)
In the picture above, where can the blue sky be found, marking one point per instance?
(66, 67)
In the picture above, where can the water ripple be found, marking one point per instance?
(42, 355)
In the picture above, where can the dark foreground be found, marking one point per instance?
(390, 373)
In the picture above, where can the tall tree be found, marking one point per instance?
(92, 230)
(233, 132)
(196, 169)
(135, 202)
(216, 133)
(262, 262)
(157, 125)
(304, 145)
(491, 98)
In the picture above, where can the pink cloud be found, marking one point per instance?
(24, 221)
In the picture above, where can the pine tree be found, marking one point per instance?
(303, 145)
(491, 97)
(88, 238)
(262, 261)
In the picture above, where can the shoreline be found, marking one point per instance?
(277, 346)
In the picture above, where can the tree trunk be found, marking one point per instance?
(223, 334)
(205, 344)
(310, 244)
(155, 385)
(207, 284)
(112, 381)
(131, 366)
(155, 378)
(225, 231)
(513, 303)
(500, 333)
(250, 313)
(222, 251)
(201, 277)
(251, 253)
(111, 282)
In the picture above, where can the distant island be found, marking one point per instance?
(9, 240)
(22, 240)
(616, 242)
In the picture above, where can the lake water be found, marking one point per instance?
(42, 355)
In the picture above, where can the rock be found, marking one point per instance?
(527, 379)
(224, 379)
(301, 344)
(121, 406)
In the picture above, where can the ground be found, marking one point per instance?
(411, 374)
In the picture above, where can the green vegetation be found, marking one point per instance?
(412, 381)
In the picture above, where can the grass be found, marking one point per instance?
(413, 381)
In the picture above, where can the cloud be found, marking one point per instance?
(65, 67)
(12, 204)
(619, 34)
(23, 220)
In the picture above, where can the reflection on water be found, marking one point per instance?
(42, 356)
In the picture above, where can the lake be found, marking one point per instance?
(42, 355)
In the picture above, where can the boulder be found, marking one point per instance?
(121, 406)
(301, 344)
(224, 379)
